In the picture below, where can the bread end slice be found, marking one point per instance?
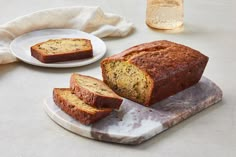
(76, 108)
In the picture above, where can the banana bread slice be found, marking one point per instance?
(150, 72)
(94, 92)
(65, 49)
(76, 108)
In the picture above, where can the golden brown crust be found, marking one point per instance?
(39, 54)
(85, 117)
(92, 98)
(172, 67)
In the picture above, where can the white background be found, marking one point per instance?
(26, 130)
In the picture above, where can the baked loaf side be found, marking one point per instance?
(76, 108)
(65, 49)
(94, 92)
(150, 72)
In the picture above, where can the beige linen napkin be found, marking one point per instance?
(89, 19)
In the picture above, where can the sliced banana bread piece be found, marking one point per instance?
(76, 108)
(94, 92)
(150, 72)
(65, 49)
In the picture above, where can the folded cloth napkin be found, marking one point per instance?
(89, 19)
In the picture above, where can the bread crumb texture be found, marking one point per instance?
(59, 46)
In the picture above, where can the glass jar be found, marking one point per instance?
(164, 14)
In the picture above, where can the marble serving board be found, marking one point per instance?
(134, 123)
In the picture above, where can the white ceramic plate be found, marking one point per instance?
(20, 46)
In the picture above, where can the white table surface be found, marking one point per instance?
(26, 130)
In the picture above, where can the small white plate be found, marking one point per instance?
(20, 46)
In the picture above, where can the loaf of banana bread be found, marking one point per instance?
(66, 49)
(94, 92)
(76, 108)
(150, 72)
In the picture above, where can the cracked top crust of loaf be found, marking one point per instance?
(160, 58)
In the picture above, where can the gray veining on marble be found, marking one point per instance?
(134, 123)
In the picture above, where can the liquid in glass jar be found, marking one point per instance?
(164, 14)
